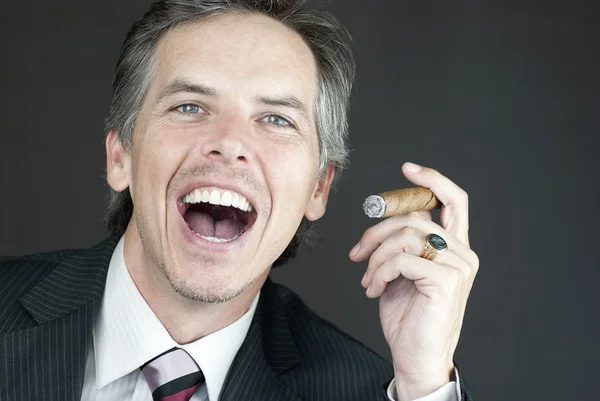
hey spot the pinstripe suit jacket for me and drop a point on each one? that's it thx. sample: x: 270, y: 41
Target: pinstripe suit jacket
x: 48, y: 303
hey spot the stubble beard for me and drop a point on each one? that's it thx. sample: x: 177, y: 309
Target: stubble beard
x: 188, y: 290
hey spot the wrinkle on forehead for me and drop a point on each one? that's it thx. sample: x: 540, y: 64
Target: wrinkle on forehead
x: 240, y: 49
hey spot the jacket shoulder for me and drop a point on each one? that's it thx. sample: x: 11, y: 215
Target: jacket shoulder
x: 18, y: 275
x: 52, y: 256
x: 19, y: 271
x: 339, y: 362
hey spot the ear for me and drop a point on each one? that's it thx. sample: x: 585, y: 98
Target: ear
x: 318, y: 201
x: 118, y: 163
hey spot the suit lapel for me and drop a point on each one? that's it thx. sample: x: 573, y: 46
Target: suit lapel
x: 47, y: 361
x: 52, y: 355
x: 268, y: 351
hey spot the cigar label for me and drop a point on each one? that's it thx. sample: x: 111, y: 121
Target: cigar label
x: 400, y: 201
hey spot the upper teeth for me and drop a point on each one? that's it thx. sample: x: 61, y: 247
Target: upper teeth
x: 218, y: 197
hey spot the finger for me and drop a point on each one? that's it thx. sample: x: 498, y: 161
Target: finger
x: 424, y: 214
x: 404, y: 240
x: 374, y: 236
x: 448, y: 259
x: 425, y: 274
x: 455, y: 212
x: 407, y: 240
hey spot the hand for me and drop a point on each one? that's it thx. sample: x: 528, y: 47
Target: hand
x: 422, y: 303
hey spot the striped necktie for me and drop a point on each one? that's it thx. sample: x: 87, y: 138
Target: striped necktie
x: 173, y: 376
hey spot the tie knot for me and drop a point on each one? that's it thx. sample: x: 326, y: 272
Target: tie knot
x: 173, y: 376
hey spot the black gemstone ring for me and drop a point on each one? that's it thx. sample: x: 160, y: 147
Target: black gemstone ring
x: 434, y: 245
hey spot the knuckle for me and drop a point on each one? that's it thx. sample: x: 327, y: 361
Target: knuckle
x: 398, y: 259
x: 463, y: 267
x: 404, y: 242
x: 413, y: 220
x: 369, y: 232
x: 468, y: 272
x: 401, y: 247
x: 475, y: 262
x: 388, y: 274
x: 406, y: 231
x: 434, y: 171
x: 454, y: 278
x: 394, y: 269
x: 415, y: 215
x: 475, y: 258
x: 472, y: 261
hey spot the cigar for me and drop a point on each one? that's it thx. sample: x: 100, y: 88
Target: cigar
x: 400, y: 201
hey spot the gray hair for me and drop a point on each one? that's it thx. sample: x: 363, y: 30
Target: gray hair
x: 326, y: 37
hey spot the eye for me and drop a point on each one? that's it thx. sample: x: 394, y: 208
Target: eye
x: 278, y: 121
x: 189, y: 108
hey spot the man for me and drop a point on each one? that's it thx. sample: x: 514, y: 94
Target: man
x: 225, y: 133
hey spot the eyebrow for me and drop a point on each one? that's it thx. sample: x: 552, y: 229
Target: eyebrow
x: 180, y: 85
x: 291, y: 102
x: 184, y: 86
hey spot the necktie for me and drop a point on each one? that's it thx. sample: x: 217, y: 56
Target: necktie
x: 173, y: 376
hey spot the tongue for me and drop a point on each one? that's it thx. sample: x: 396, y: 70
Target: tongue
x: 227, y: 229
x: 201, y: 223
x: 205, y: 225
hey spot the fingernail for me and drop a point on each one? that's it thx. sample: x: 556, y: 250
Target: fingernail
x: 354, y: 250
x: 364, y: 279
x: 413, y: 168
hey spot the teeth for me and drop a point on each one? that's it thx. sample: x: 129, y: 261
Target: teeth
x: 197, y: 196
x: 216, y: 197
x: 214, y: 239
x: 226, y: 199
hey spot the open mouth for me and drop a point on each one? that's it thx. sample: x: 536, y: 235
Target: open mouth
x: 217, y: 215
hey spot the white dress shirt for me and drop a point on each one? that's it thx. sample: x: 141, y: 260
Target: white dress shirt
x: 448, y: 392
x: 127, y: 334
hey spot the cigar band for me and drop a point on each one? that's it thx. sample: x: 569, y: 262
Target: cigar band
x: 374, y: 206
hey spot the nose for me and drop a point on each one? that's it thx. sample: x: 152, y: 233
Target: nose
x: 227, y: 143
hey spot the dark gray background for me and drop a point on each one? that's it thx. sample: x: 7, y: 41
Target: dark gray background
x: 499, y: 96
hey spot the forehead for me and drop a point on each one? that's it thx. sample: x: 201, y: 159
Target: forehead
x: 239, y: 53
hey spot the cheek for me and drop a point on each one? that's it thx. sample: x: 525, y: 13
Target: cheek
x: 294, y: 175
x: 155, y: 162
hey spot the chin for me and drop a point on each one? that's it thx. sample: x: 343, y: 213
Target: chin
x: 210, y: 286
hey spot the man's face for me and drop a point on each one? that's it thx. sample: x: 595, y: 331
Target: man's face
x: 229, y: 119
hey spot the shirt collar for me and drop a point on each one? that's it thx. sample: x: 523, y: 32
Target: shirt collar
x: 127, y: 333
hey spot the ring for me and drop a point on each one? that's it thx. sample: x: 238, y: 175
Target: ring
x: 434, y: 245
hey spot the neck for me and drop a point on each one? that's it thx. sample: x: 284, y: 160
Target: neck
x: 186, y: 320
